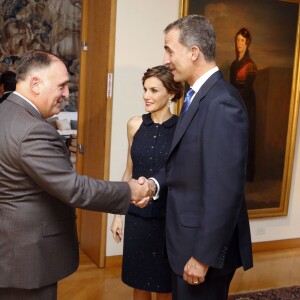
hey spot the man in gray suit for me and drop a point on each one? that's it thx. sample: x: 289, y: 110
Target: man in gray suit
x: 39, y: 190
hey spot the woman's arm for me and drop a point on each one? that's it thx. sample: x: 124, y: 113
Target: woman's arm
x: 117, y: 223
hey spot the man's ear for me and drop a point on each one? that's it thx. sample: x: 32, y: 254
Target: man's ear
x: 195, y: 53
x: 35, y: 85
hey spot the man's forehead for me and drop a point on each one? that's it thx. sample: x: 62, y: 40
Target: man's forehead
x: 58, y: 66
x: 172, y: 36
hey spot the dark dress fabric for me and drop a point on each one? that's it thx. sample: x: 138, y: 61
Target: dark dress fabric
x: 145, y: 265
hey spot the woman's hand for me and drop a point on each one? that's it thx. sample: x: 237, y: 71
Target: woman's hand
x: 117, y: 228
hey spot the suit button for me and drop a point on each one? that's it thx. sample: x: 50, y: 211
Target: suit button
x: 169, y: 188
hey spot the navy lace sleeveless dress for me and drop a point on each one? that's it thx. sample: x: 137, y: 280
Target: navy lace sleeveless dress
x: 145, y: 264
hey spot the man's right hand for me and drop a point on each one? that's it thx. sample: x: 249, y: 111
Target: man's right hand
x: 141, y: 191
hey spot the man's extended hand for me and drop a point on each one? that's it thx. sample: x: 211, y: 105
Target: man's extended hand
x: 141, y: 191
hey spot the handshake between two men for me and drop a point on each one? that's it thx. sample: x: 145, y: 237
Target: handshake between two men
x: 142, y: 191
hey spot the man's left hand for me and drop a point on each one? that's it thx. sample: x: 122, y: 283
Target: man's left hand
x: 194, y: 272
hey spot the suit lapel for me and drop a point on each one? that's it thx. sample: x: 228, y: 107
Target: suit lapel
x: 187, y: 117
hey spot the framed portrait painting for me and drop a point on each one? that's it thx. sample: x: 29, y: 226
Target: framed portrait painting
x: 271, y: 95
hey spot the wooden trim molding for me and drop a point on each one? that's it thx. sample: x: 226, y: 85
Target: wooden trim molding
x: 116, y: 261
x: 113, y: 261
x: 276, y: 245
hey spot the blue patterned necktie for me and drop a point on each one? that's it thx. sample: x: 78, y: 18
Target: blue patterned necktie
x: 187, y: 101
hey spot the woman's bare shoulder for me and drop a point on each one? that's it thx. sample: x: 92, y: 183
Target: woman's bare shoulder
x: 134, y: 124
x: 135, y: 121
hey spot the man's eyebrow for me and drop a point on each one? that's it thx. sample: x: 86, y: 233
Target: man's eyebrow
x: 65, y: 82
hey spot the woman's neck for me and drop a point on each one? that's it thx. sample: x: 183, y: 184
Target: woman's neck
x: 241, y: 55
x: 161, y: 116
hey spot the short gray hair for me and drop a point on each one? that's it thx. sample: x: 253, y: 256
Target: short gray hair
x: 34, y: 60
x: 196, y: 30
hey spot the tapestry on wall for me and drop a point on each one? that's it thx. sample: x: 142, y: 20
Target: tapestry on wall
x: 51, y: 25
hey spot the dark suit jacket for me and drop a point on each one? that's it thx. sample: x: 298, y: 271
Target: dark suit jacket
x: 205, y: 175
x: 4, y: 96
x: 39, y: 191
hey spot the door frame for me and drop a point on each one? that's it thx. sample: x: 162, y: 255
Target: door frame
x: 98, y: 28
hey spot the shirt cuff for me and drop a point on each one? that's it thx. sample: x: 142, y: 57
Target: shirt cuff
x: 156, y: 196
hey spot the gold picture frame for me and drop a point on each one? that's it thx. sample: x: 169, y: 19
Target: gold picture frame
x: 268, y: 197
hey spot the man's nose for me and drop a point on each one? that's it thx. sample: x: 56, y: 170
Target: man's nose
x: 66, y: 92
x: 166, y: 60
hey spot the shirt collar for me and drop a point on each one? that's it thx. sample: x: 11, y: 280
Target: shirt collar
x: 201, y: 80
x: 168, y: 123
x: 26, y: 100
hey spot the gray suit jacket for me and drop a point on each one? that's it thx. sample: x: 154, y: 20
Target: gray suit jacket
x: 39, y: 191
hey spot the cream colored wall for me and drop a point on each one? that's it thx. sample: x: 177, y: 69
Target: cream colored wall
x: 139, y: 45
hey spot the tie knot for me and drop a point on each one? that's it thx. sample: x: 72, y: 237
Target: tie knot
x: 190, y: 93
x: 187, y: 100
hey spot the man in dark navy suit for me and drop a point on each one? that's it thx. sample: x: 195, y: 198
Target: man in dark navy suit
x: 208, y: 235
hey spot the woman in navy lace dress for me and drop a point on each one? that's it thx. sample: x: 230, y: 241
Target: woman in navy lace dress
x: 145, y: 265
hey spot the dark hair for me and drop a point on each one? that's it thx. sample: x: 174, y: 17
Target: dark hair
x: 34, y: 60
x: 8, y: 79
x: 196, y: 30
x: 245, y: 33
x: 164, y: 74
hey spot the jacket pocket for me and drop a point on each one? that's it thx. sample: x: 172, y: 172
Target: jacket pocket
x: 190, y: 220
